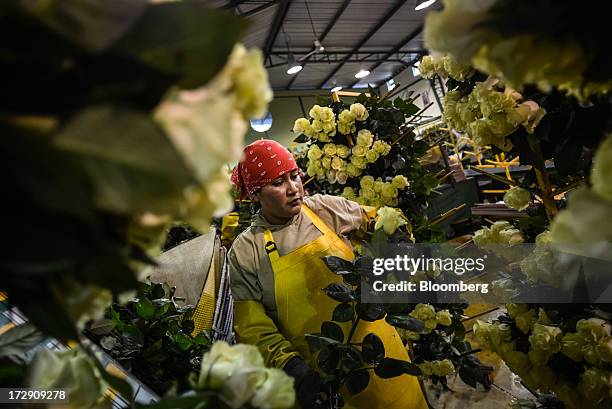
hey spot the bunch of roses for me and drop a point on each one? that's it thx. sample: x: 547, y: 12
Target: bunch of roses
x: 431, y: 319
x: 239, y: 374
x: 500, y: 232
x: 591, y: 346
x: 375, y: 192
x: 324, y: 124
x: 517, y: 198
x: 470, y: 32
x: 445, y: 66
x: 489, y: 115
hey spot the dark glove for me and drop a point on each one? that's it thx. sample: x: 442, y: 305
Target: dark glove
x: 307, y: 383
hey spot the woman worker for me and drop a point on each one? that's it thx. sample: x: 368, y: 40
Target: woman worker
x: 277, y: 276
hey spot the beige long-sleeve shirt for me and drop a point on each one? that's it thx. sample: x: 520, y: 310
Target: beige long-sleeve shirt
x: 250, y: 270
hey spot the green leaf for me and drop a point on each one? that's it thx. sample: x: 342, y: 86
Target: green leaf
x: 343, y: 313
x: 357, y: 381
x: 351, y: 358
x: 328, y: 359
x: 132, y: 332
x: 183, y: 341
x: 316, y: 342
x: 187, y: 326
x: 370, y: 312
x: 201, y: 339
x: 301, y: 138
x: 373, y: 349
x: 332, y: 330
x: 103, y: 326
x: 130, y: 162
x: 390, y: 368
x: 158, y: 291
x: 186, y: 39
x: 145, y: 309
x: 20, y: 339
x: 405, y: 321
x: 340, y: 292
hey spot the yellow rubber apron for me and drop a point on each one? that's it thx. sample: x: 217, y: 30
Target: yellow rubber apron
x: 302, y: 306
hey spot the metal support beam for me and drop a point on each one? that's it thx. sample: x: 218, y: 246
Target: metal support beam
x: 373, y: 31
x: 329, y: 27
x: 395, y: 49
x: 259, y: 9
x: 370, y: 60
x: 281, y: 13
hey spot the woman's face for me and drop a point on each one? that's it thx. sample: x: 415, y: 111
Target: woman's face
x: 282, y: 198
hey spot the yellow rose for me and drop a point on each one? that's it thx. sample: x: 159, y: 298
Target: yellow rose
x: 378, y: 185
x: 365, y: 138
x: 390, y: 219
x: 353, y: 170
x: 329, y: 149
x: 367, y: 182
x: 359, y: 161
x: 359, y: 112
x: 331, y: 176
x: 367, y: 193
x: 359, y: 150
x: 427, y: 67
x: 349, y: 193
x: 371, y: 156
x: 317, y: 125
x: 329, y: 127
x: 314, y: 152
x: 326, y: 162
x: 381, y: 147
x: 323, y: 137
x: 444, y: 317
x: 343, y: 151
x: 388, y: 191
x: 337, y: 163
x: 400, y: 181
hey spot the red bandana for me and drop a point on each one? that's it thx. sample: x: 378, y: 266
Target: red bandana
x: 261, y: 163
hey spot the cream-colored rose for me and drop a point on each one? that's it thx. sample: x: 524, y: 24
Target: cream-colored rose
x: 326, y: 114
x: 329, y: 149
x: 359, y: 112
x: 359, y: 150
x: 72, y: 370
x: 331, y: 176
x: 317, y: 126
x: 371, y: 156
x: 314, y: 112
x: 245, y: 79
x: 389, y: 219
x: 444, y: 317
x: 381, y: 147
x: 342, y: 176
x: 329, y: 127
x: 427, y: 67
x: 337, y: 163
x: 276, y: 391
x: 234, y: 370
x: 343, y: 151
x: 323, y: 137
x: 365, y: 138
x: 301, y: 125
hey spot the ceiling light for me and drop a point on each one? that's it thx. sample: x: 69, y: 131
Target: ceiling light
x: 293, y: 67
x: 362, y: 73
x: 336, y: 88
x: 421, y: 4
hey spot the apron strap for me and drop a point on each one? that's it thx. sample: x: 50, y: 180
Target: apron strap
x: 319, y: 224
x: 270, y: 246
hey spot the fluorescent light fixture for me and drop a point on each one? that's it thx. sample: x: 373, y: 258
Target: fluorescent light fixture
x: 362, y: 74
x: 262, y: 124
x: 336, y: 88
x: 293, y: 67
x: 421, y: 4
